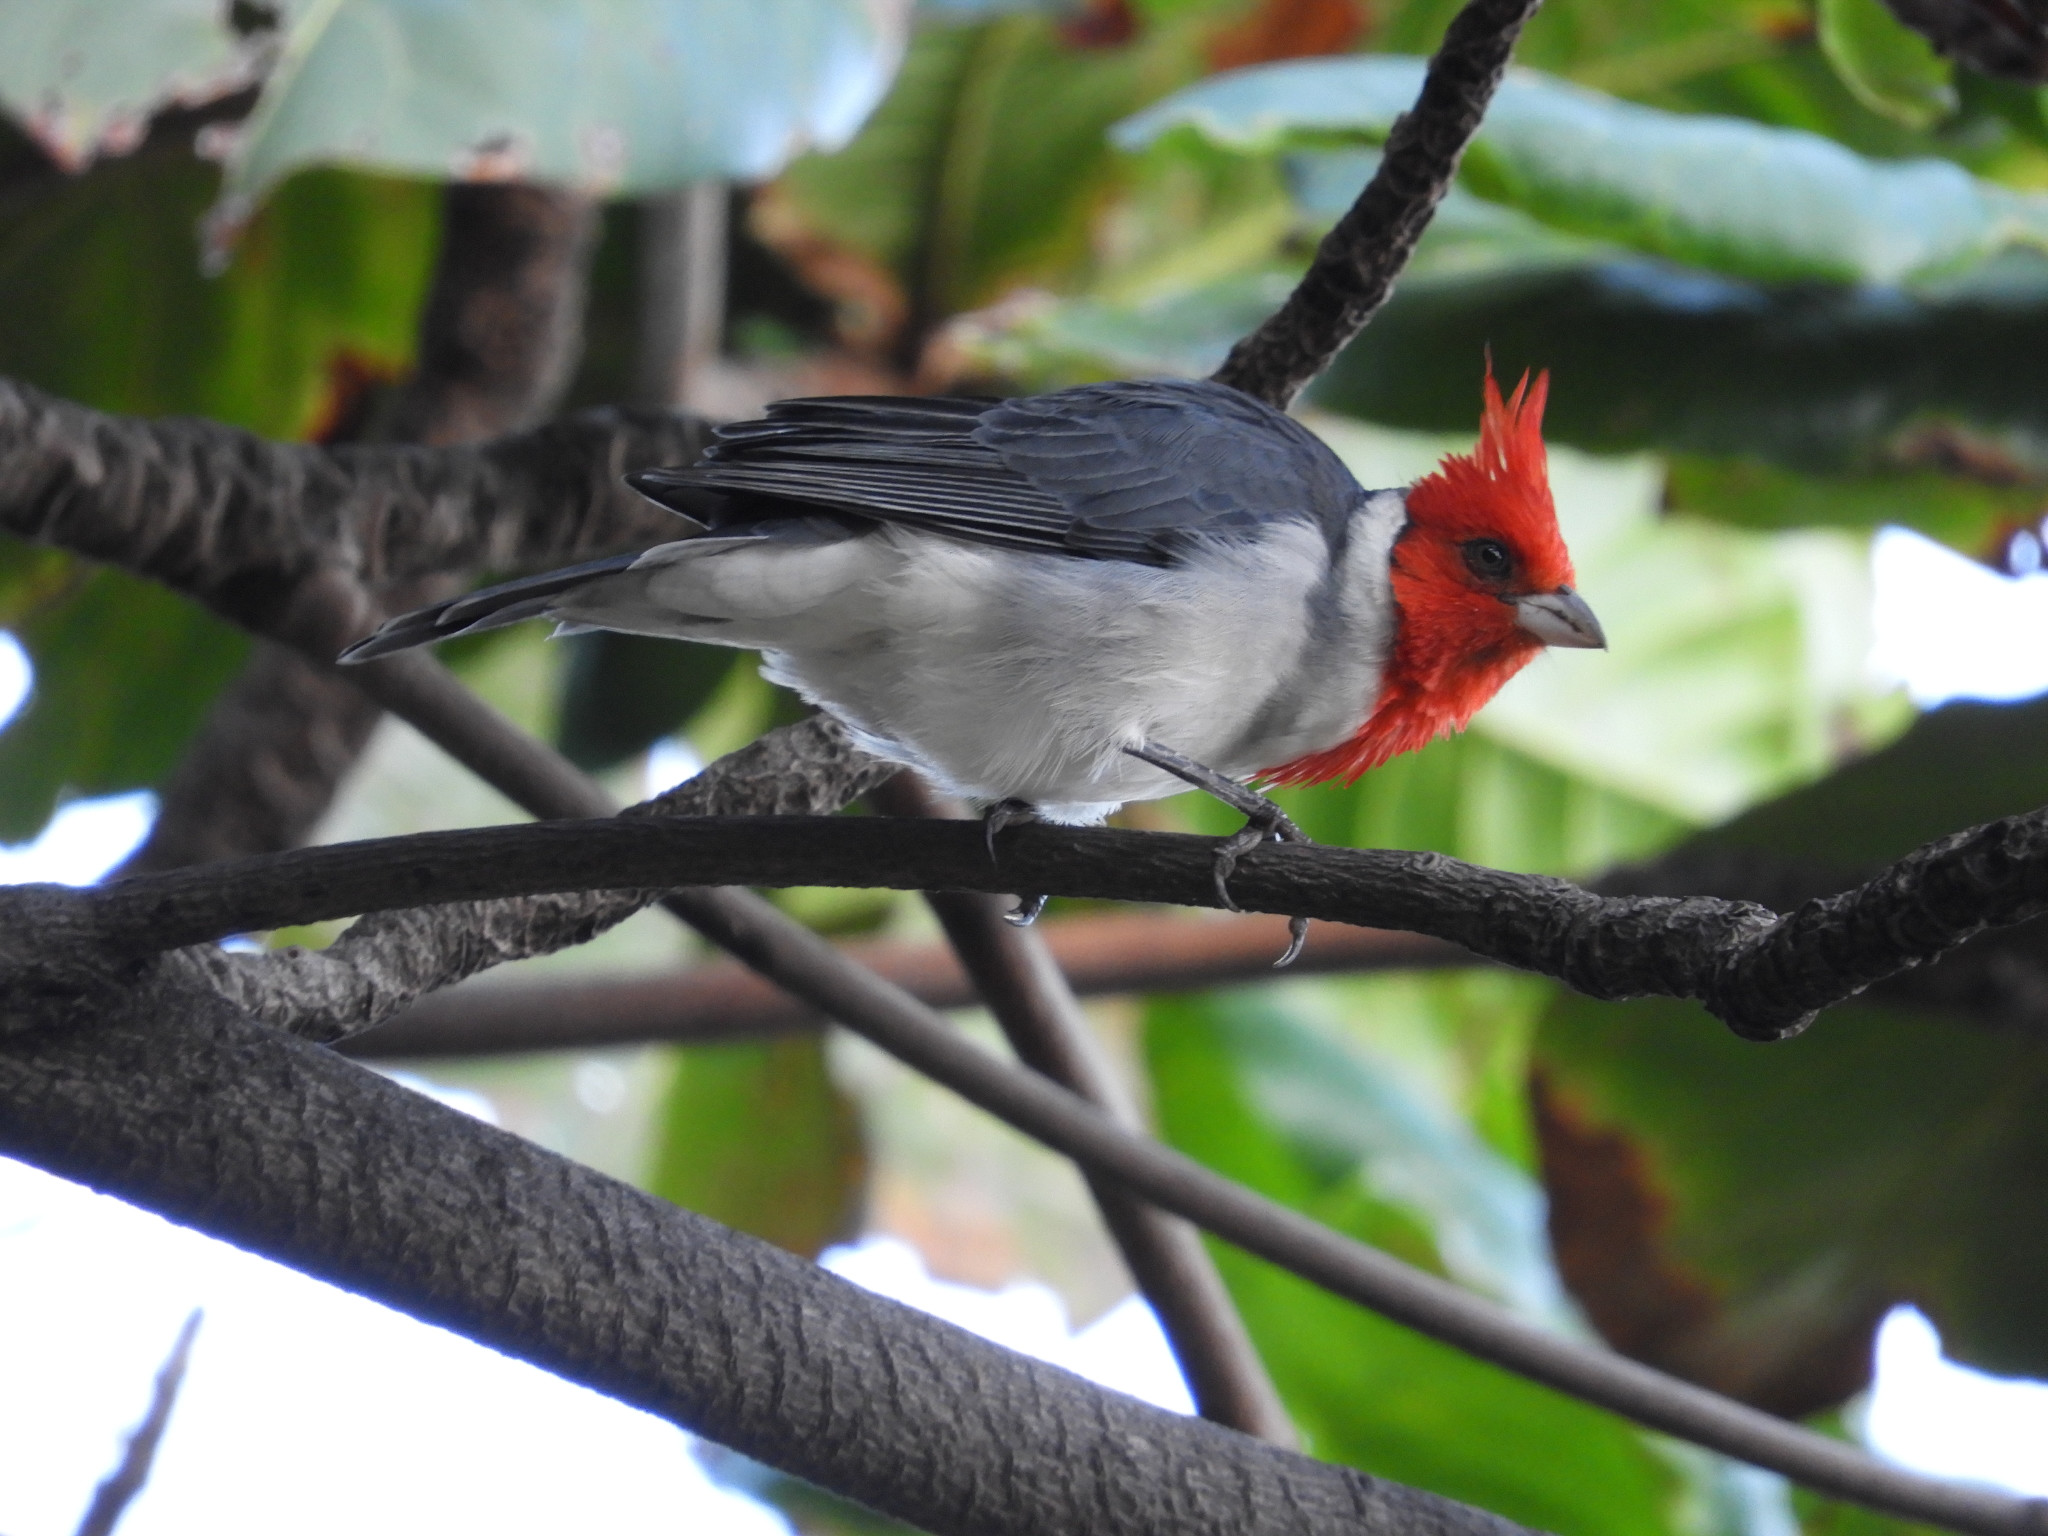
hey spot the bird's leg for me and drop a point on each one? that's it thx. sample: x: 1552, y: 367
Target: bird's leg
x: 1263, y: 820
x: 1007, y: 813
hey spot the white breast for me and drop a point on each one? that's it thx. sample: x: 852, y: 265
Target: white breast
x: 1010, y: 675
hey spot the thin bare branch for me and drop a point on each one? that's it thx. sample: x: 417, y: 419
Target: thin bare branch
x: 723, y: 1000
x: 118, y: 1489
x: 1764, y: 975
x: 1356, y: 264
x: 1017, y: 978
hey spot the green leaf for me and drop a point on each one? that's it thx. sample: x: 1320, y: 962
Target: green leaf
x: 623, y: 693
x: 1959, y: 765
x: 1966, y: 514
x: 1716, y: 192
x: 757, y: 1136
x: 100, y: 281
x: 1815, y: 379
x: 1887, y: 65
x: 124, y: 672
x: 625, y: 96
x: 84, y: 82
x: 980, y: 167
x: 1750, y: 1212
x: 1364, y: 1390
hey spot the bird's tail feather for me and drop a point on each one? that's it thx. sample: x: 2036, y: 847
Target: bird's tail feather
x: 509, y: 602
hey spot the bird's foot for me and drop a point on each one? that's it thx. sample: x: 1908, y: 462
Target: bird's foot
x: 1264, y: 822
x: 1025, y: 913
x: 1004, y: 813
x: 1008, y: 813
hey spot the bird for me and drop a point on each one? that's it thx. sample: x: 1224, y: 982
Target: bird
x: 1057, y: 604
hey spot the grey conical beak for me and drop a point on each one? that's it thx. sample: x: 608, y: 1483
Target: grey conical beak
x: 1560, y: 618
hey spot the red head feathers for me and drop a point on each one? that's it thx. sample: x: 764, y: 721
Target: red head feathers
x: 1481, y: 580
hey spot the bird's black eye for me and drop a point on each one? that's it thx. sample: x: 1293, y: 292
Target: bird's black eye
x: 1488, y: 559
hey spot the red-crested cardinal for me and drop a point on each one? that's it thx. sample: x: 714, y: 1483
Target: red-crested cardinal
x: 1054, y: 605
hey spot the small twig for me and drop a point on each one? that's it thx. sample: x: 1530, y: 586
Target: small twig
x: 1023, y: 988
x: 1356, y: 264
x: 120, y: 1486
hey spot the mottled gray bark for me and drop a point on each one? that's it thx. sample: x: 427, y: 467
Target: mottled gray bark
x: 175, y: 1102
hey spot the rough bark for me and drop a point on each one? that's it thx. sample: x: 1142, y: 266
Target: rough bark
x: 176, y: 1103
x: 1023, y: 988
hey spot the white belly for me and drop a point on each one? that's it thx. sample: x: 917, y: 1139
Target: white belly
x: 1009, y: 676
x: 1006, y: 675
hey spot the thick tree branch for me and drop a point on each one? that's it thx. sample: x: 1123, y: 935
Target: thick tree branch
x: 1356, y: 264
x: 723, y: 1000
x: 240, y: 522
x: 1022, y: 986
x: 243, y: 1111
x: 181, y: 1106
x: 1762, y: 974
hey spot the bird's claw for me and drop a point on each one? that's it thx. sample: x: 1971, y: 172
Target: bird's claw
x: 1004, y: 813
x: 1269, y: 823
x: 1025, y: 913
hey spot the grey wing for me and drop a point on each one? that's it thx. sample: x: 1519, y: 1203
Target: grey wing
x: 1130, y: 472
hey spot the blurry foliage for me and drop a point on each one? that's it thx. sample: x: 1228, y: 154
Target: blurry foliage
x: 755, y: 1135
x: 105, y: 303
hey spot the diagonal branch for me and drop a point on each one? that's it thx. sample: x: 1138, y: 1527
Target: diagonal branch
x: 722, y: 1000
x: 1762, y: 974
x: 1356, y: 264
x: 118, y: 1489
x: 1023, y: 988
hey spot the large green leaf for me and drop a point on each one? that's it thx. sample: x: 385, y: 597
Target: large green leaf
x: 755, y: 1135
x: 1889, y: 67
x: 1820, y: 380
x: 623, y: 693
x: 1364, y: 1390
x: 105, y: 303
x: 979, y: 168
x: 629, y: 95
x: 83, y: 80
x: 1716, y: 192
x: 123, y: 672
x: 1746, y: 1214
